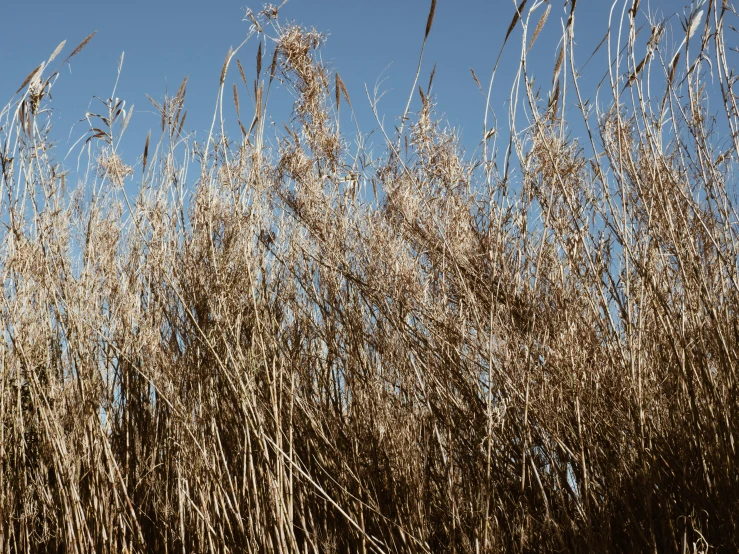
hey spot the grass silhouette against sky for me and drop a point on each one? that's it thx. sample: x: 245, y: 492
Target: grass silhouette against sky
x: 370, y: 43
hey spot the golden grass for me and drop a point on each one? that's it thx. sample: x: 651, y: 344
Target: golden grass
x: 527, y: 351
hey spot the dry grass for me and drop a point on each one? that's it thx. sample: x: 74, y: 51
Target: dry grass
x: 531, y: 351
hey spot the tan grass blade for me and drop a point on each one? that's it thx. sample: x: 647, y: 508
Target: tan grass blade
x: 670, y: 79
x: 156, y: 105
x: 56, y: 51
x: 571, y: 18
x: 601, y: 43
x: 539, y: 26
x: 476, y: 79
x: 181, y: 92
x: 241, y: 71
x: 430, y: 21
x: 236, y: 101
x: 253, y: 123
x: 338, y: 92
x: 636, y: 72
x: 554, y: 100
x: 146, y: 152
x: 82, y: 44
x: 695, y: 24
x: 182, y: 124
x: 225, y: 65
x: 258, y: 102
x: 673, y: 68
x: 558, y: 64
x: 343, y: 89
x: 22, y: 115
x: 259, y: 60
x: 516, y: 17
x: 273, y: 66
x: 28, y: 79
x: 127, y: 118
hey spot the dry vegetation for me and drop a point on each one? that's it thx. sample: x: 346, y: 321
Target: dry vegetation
x: 274, y: 345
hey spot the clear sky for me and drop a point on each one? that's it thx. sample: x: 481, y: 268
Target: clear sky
x: 368, y: 40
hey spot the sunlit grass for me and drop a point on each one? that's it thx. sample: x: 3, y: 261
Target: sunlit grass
x: 313, y: 349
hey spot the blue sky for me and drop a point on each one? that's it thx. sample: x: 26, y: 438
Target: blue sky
x: 368, y: 40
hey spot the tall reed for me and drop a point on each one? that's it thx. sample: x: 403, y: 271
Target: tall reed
x: 296, y: 347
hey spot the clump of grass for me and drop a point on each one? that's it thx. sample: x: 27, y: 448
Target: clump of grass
x: 527, y: 351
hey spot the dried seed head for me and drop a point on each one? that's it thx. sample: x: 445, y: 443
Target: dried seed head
x: 430, y: 20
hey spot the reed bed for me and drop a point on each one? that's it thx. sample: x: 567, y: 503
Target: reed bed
x: 259, y: 343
